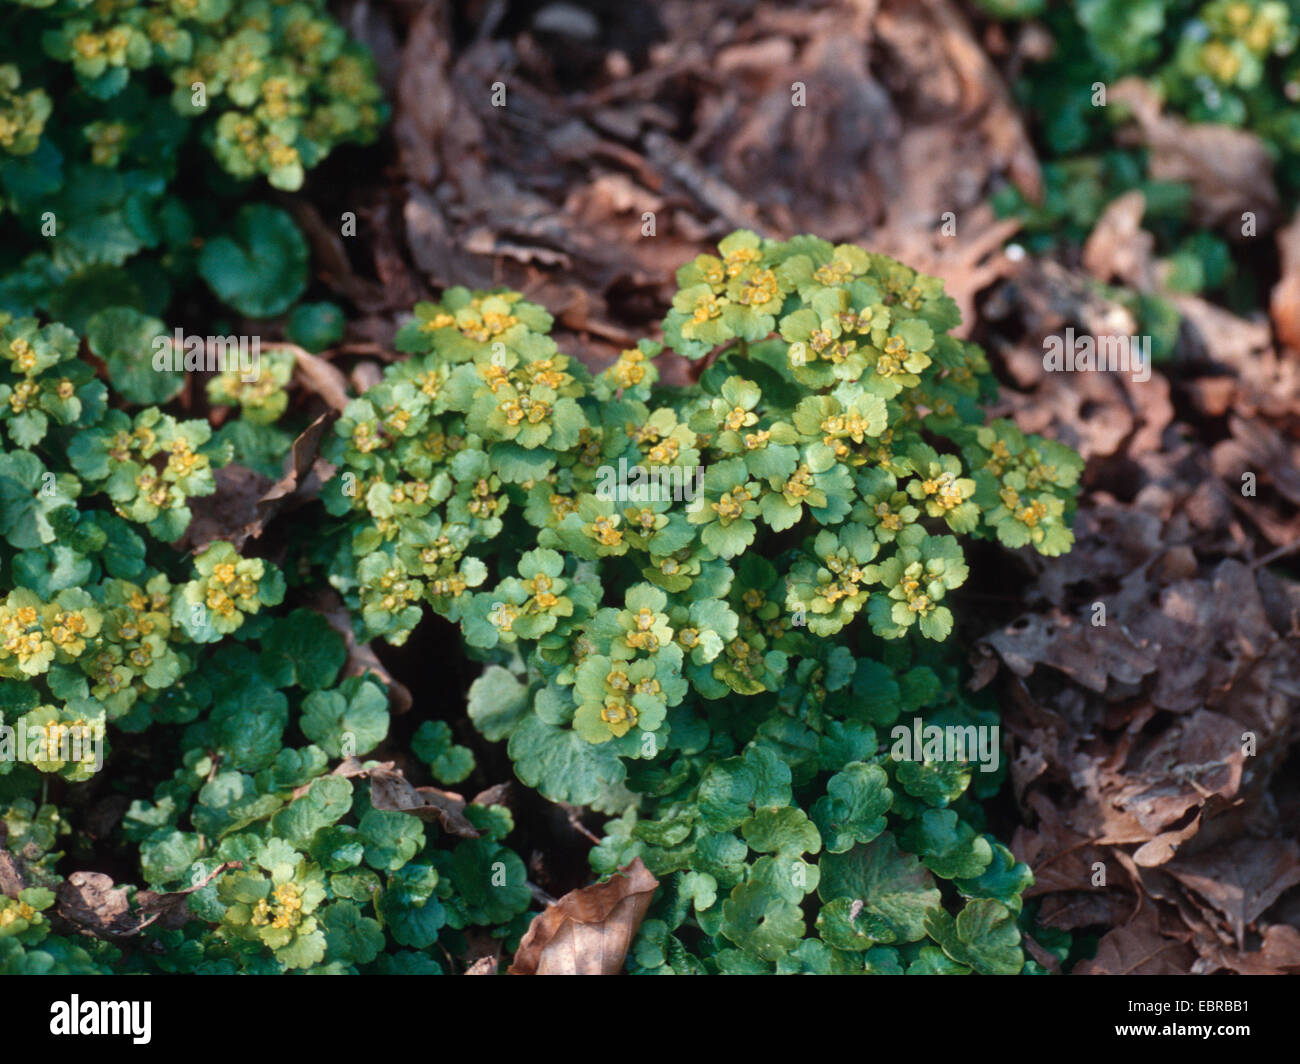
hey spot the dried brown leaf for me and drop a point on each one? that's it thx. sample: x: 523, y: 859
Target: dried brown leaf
x: 319, y: 376
x: 1284, y: 301
x: 303, y: 463
x: 498, y: 794
x: 1164, y: 846
x: 1118, y: 247
x: 389, y: 789
x: 588, y: 931
x: 426, y: 100
x: 1089, y: 654
x: 245, y: 501
x: 987, y: 99
x: 1229, y: 169
x: 95, y: 905
x: 1241, y: 879
x: 230, y: 513
x: 1138, y: 948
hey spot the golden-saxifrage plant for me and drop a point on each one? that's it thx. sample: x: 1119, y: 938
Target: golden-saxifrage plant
x: 214, y: 706
x: 698, y: 605
x: 104, y: 105
x: 110, y: 635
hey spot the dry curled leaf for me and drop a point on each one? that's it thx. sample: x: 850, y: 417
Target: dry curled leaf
x: 1230, y: 170
x: 389, y: 789
x: 1138, y: 948
x: 319, y: 376
x: 245, y: 501
x: 588, y: 931
x: 95, y: 905
x: 303, y: 463
x: 230, y: 513
x: 1284, y: 301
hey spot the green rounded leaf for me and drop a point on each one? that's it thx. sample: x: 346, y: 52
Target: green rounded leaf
x: 127, y: 340
x: 315, y: 326
x: 896, y: 891
x: 261, y: 268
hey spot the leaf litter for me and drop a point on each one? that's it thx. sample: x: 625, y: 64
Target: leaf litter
x: 1153, y: 761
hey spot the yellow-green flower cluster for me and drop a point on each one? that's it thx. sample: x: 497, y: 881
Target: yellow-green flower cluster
x: 1024, y: 485
x: 226, y: 590
x: 277, y: 909
x: 810, y: 439
x: 261, y: 401
x: 22, y: 114
x: 42, y: 381
x: 35, y: 634
x: 282, y: 80
x: 22, y: 918
x: 149, y: 466
x: 1242, y: 35
x: 289, y: 85
x: 137, y: 655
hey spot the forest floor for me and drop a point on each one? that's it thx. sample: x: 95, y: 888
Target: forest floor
x: 1149, y: 679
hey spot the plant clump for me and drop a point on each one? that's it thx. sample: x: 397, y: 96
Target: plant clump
x: 102, y: 106
x: 703, y: 609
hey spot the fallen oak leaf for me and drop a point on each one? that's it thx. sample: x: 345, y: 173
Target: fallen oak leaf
x: 318, y: 375
x: 1138, y: 948
x: 92, y: 903
x: 303, y: 462
x: 1089, y: 655
x: 1241, y: 879
x: 231, y: 513
x: 588, y: 931
x: 1284, y: 300
x: 1229, y: 169
x: 389, y: 789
